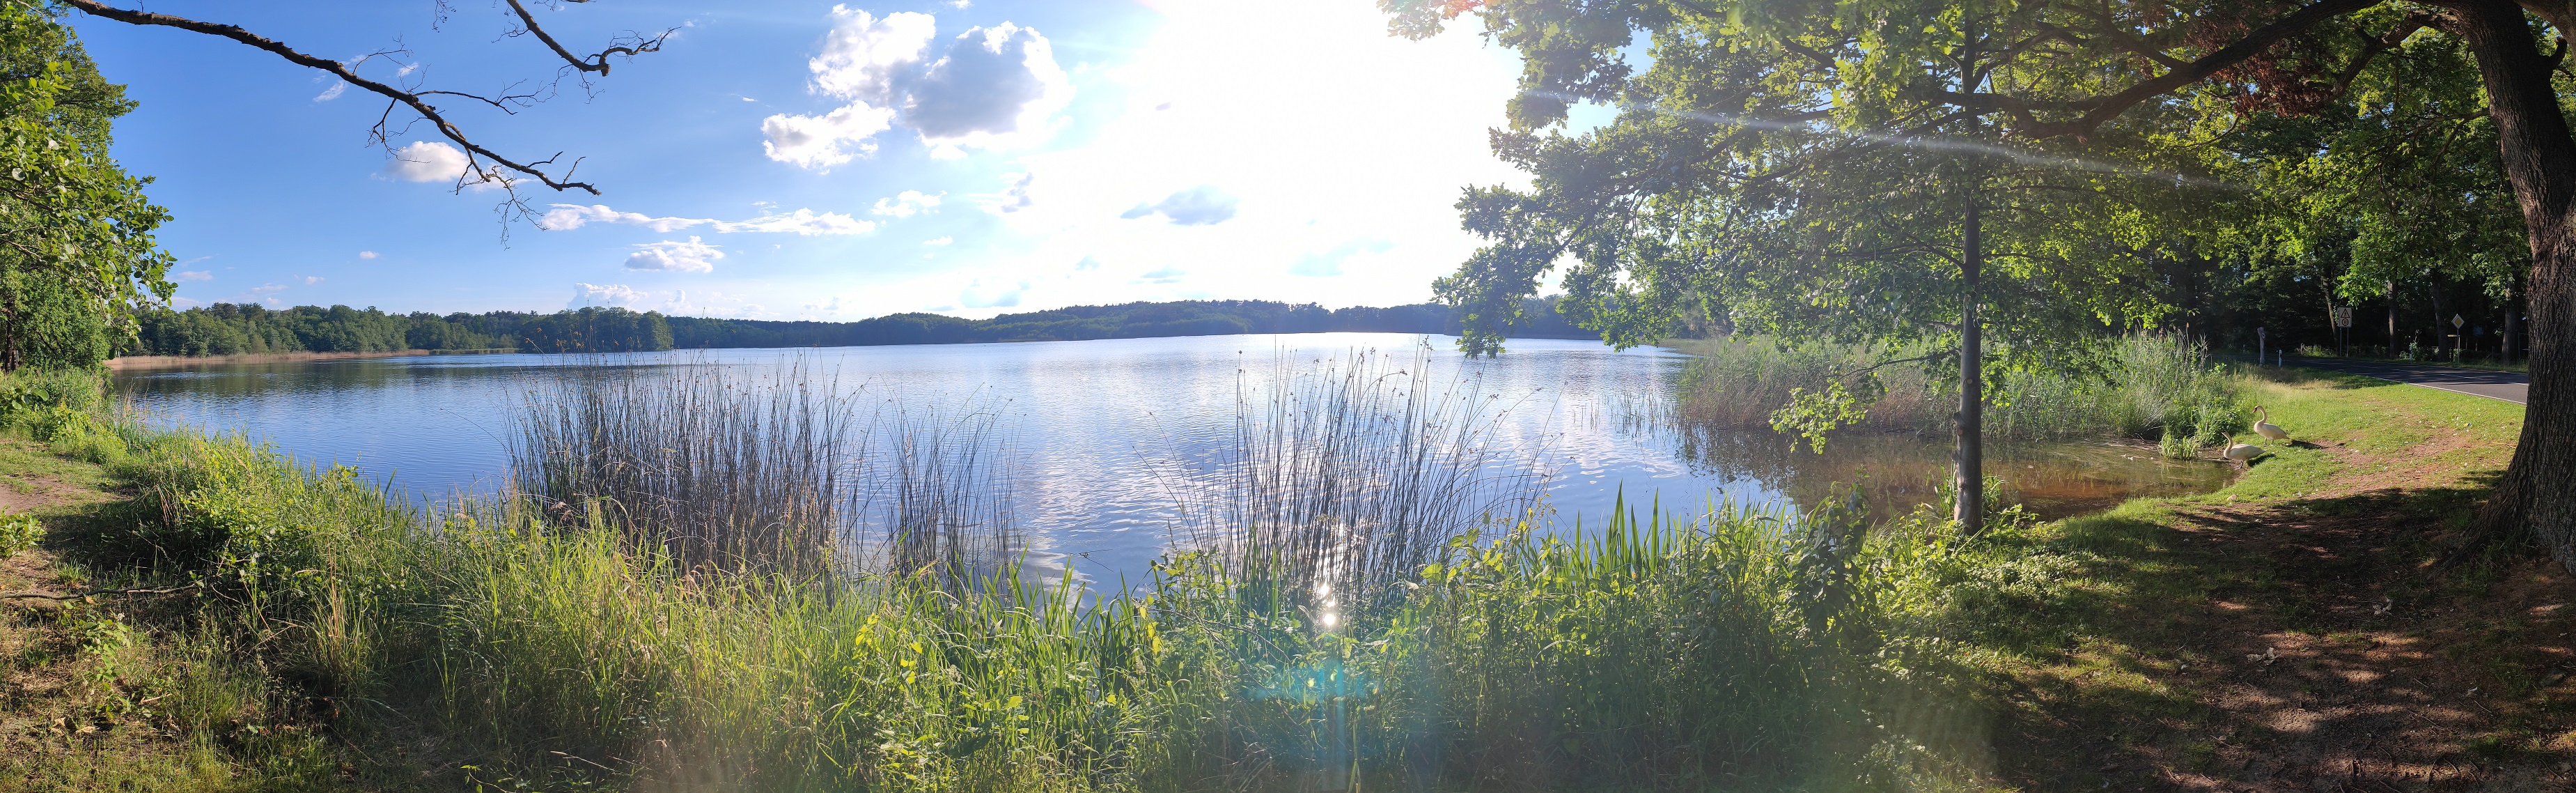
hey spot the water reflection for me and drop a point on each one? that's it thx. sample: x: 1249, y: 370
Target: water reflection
x: 1898, y: 470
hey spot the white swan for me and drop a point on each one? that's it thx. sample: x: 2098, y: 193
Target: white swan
x: 2263, y: 426
x: 2243, y: 453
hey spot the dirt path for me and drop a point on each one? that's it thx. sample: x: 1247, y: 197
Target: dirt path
x: 2308, y: 644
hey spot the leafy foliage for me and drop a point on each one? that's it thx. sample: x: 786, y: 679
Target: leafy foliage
x: 19, y: 532
x: 76, y: 247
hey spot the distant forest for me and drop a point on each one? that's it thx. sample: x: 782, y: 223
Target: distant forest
x: 231, y: 329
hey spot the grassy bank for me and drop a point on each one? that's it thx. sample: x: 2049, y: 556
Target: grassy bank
x: 325, y: 635
x: 2291, y: 632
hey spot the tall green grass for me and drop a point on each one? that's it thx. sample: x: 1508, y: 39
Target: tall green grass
x: 2153, y: 389
x: 1737, y: 382
x: 1730, y: 650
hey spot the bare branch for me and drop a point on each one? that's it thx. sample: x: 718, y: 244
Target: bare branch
x: 598, y: 64
x: 412, y: 99
x: 97, y: 592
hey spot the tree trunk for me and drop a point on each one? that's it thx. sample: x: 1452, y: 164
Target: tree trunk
x: 1970, y: 510
x: 2540, y: 158
x: 2506, y: 346
x: 2433, y: 287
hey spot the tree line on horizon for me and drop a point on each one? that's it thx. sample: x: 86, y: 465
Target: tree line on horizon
x: 243, y: 329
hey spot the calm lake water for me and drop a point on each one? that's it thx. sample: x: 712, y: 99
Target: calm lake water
x: 1098, y: 437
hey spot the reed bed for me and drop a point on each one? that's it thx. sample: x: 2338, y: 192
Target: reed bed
x: 945, y: 494
x: 2149, y: 388
x: 785, y: 472
x: 1347, y: 474
x: 719, y: 471
x: 1737, y: 382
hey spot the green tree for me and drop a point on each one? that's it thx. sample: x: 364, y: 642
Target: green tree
x: 2402, y: 179
x: 76, y: 247
x: 1778, y: 91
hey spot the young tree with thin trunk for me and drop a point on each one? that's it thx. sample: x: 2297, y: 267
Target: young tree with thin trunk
x: 2079, y: 80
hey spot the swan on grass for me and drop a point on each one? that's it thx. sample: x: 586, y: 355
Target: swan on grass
x: 2263, y: 426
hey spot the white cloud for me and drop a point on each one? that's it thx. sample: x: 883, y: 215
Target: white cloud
x: 192, y: 275
x: 366, y: 254
x: 992, y: 88
x: 434, y: 161
x: 802, y: 222
x: 337, y: 88
x: 864, y: 57
x: 1199, y: 103
x: 864, y: 60
x: 1198, y: 206
x: 977, y: 295
x: 267, y: 289
x: 816, y: 142
x: 312, y: 279
x: 939, y: 241
x: 1328, y: 263
x: 906, y: 204
x: 685, y: 257
x: 607, y: 295
x: 995, y: 86
x: 1012, y: 199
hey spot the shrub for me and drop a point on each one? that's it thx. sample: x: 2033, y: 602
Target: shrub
x: 18, y: 533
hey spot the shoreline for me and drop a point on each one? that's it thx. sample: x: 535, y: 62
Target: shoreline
x: 181, y: 361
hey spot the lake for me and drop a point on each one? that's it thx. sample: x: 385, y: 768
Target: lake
x: 1102, y: 441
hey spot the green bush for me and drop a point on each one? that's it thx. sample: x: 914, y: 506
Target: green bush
x: 19, y: 532
x: 28, y: 396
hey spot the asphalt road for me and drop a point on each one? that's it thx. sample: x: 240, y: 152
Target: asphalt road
x: 2508, y: 386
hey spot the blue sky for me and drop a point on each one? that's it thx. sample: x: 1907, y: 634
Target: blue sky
x: 794, y: 160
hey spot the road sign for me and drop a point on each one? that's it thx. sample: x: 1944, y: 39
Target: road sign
x: 2343, y: 316
x: 2457, y: 321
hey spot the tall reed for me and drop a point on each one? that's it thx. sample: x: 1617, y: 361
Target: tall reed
x: 1345, y: 476
x: 1737, y: 382
x: 718, y: 470
x: 945, y: 493
x: 2145, y: 387
x: 2153, y: 388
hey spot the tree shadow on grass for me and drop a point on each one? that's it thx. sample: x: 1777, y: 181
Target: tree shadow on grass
x: 2273, y: 647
